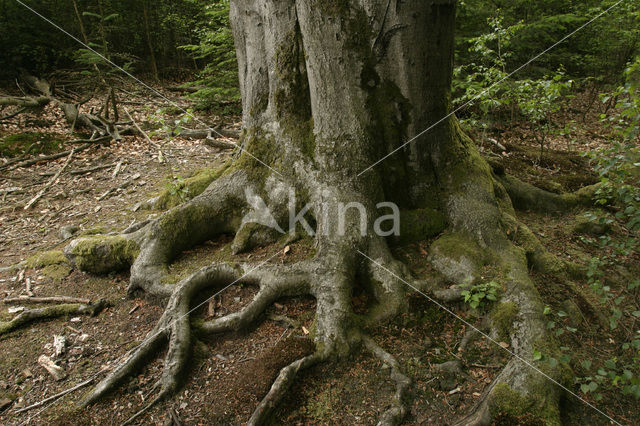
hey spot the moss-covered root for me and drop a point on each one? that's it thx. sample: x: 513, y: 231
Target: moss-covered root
x: 216, y: 211
x: 101, y: 254
x: 31, y: 315
x: 525, y: 196
x: 180, y: 191
x: 395, y: 414
x: 53, y: 264
x: 541, y: 260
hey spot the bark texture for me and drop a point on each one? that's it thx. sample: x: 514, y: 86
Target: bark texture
x: 328, y: 88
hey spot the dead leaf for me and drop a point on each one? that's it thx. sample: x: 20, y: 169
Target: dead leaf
x: 286, y: 250
x: 304, y: 330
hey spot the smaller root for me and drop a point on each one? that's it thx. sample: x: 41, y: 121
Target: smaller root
x: 398, y: 410
x: 134, y: 363
x: 175, y: 326
x: 31, y: 315
x: 280, y: 387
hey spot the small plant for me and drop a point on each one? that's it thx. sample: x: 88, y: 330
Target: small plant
x: 477, y: 294
x: 178, y: 189
x: 538, y: 100
x: 170, y: 128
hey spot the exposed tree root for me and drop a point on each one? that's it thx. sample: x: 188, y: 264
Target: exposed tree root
x: 28, y: 316
x: 483, y: 231
x: 395, y: 414
x: 525, y: 196
x: 280, y: 387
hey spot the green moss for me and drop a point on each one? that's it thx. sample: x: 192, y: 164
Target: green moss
x: 182, y: 190
x: 585, y: 225
x: 95, y: 230
x: 36, y: 143
x: 56, y: 272
x: 503, y: 316
x: 260, y: 146
x: 505, y: 401
x: 47, y: 258
x: 102, y: 254
x: 457, y: 246
x: 53, y: 263
x: 420, y: 224
x: 333, y: 8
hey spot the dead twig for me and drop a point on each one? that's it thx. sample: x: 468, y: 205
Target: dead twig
x: 83, y: 171
x: 43, y: 300
x: 51, y: 157
x: 152, y: 143
x: 35, y: 199
x: 63, y: 393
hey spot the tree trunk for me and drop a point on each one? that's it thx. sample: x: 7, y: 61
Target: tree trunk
x: 328, y: 89
x: 147, y: 31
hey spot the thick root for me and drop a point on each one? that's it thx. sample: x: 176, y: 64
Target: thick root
x: 175, y: 326
x: 528, y: 197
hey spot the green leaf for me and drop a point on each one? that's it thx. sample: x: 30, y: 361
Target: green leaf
x: 537, y: 355
x: 91, y: 14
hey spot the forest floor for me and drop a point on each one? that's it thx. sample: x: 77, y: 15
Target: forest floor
x: 231, y: 373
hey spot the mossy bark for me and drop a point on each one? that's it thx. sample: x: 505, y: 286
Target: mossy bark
x: 329, y: 88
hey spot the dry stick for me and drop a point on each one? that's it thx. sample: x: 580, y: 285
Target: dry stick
x: 51, y: 181
x: 83, y: 171
x: 37, y: 300
x: 63, y: 393
x: 18, y: 112
x: 141, y: 132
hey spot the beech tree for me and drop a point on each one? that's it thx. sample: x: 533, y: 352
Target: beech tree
x: 331, y: 92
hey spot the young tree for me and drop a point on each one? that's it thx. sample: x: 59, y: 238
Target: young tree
x: 328, y: 89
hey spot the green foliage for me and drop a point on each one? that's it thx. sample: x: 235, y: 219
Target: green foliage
x: 170, y: 127
x: 618, y: 166
x: 479, y: 294
x: 486, y: 85
x: 178, y: 188
x: 218, y: 82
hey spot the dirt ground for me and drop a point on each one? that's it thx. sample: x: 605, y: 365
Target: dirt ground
x: 231, y: 373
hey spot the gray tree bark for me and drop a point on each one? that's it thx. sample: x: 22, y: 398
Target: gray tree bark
x: 328, y: 88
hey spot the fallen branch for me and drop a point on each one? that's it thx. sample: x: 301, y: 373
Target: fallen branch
x: 33, y: 161
x: 63, y: 393
x: 51, y: 182
x: 18, y: 112
x: 141, y: 131
x: 25, y: 102
x: 83, y: 171
x: 39, y: 300
x: 31, y: 315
